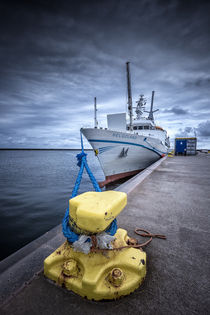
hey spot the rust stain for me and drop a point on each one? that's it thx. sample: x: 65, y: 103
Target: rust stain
x: 61, y: 279
x: 132, y: 241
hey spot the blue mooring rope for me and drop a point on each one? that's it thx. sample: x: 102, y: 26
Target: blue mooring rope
x: 82, y: 163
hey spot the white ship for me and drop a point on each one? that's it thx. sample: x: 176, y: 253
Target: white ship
x: 124, y: 149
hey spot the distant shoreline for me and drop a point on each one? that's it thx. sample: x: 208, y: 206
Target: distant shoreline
x: 33, y: 149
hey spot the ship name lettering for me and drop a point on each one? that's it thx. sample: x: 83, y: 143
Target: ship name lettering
x: 119, y: 135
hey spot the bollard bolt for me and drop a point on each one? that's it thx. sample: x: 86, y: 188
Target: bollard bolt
x: 70, y: 268
x: 116, y: 277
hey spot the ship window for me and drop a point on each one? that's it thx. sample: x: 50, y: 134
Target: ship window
x: 146, y: 127
x: 140, y: 127
x: 134, y: 128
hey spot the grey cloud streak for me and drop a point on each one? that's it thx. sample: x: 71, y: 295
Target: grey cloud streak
x: 176, y: 110
x: 57, y: 55
x: 204, y: 129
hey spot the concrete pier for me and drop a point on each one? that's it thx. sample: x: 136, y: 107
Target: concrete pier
x: 171, y: 198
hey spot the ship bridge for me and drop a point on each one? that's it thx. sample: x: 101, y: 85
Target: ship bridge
x: 142, y: 124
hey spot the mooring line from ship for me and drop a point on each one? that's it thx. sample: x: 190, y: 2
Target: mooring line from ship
x: 68, y: 232
x: 137, y: 230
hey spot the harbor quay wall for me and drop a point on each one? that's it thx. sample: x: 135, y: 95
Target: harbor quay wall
x: 170, y: 197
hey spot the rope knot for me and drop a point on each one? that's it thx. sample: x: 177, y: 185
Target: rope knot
x: 80, y: 156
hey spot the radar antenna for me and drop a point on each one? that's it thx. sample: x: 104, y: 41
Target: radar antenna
x: 140, y: 108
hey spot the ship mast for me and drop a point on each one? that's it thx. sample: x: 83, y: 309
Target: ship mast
x: 95, y: 113
x: 151, y: 117
x: 130, y: 107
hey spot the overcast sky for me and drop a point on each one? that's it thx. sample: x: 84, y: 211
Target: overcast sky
x: 55, y: 56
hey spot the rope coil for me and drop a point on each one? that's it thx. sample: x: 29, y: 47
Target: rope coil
x: 139, y: 246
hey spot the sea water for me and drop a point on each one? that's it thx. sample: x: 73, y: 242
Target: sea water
x: 35, y: 186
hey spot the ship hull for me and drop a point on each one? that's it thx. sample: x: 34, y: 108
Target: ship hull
x: 122, y: 154
x: 113, y: 178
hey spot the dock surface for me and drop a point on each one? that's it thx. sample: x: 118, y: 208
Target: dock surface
x: 174, y: 199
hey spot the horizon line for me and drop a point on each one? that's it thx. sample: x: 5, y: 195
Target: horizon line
x: 43, y: 149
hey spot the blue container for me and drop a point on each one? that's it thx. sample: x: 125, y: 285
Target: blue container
x: 180, y: 146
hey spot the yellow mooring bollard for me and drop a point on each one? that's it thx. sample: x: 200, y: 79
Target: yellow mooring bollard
x: 101, y: 273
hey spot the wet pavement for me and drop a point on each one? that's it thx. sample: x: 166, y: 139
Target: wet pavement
x: 173, y: 200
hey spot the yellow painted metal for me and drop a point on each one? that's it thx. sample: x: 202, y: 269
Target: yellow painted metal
x: 171, y: 154
x: 94, y: 211
x: 186, y: 138
x: 108, y: 274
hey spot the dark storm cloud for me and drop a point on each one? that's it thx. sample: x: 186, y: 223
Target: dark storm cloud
x: 57, y: 55
x: 188, y: 129
x: 186, y: 132
x: 176, y: 110
x: 200, y: 82
x: 204, y: 129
